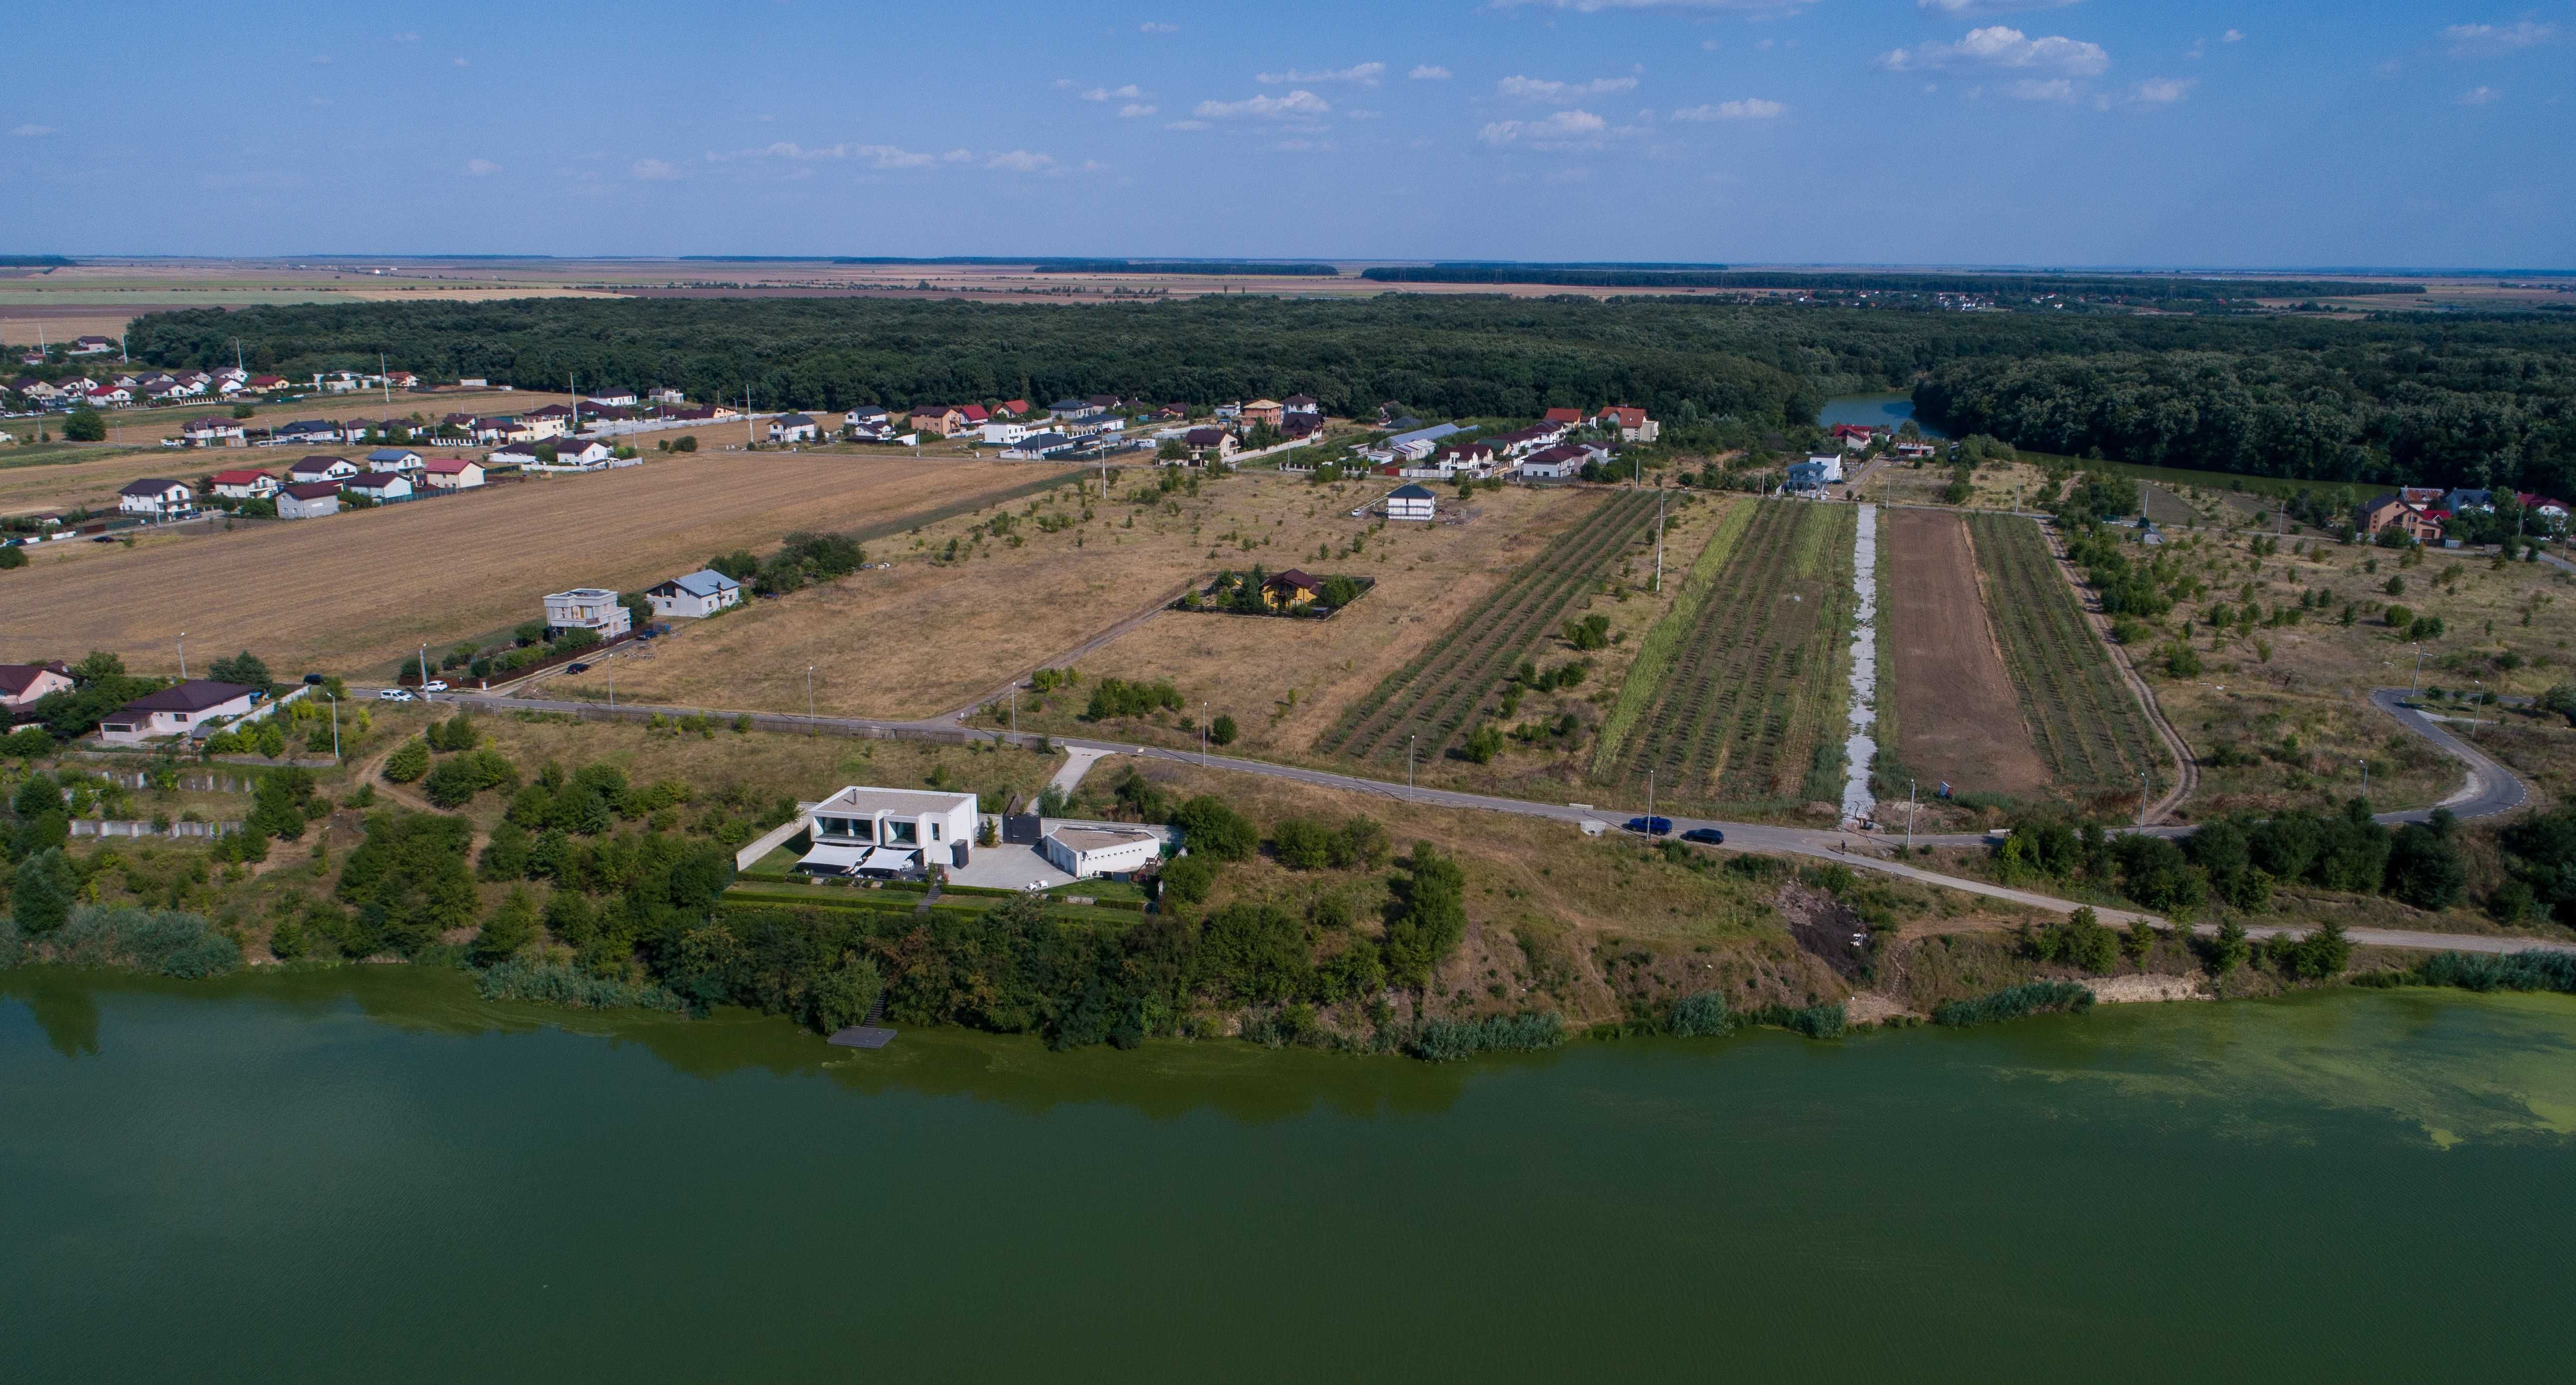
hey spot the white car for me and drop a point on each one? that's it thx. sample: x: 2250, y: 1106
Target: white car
x: 434, y: 685
x: 393, y: 695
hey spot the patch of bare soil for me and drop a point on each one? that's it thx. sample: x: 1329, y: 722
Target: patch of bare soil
x: 1825, y: 927
x: 2117, y: 990
x: 1958, y: 717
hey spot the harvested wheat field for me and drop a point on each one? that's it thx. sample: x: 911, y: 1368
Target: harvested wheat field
x: 353, y: 591
x: 1958, y: 718
x: 938, y: 633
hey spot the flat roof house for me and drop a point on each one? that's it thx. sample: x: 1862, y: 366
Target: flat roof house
x: 888, y: 832
x: 156, y: 496
x: 1088, y: 852
x: 1410, y: 501
x: 175, y: 711
x: 588, y: 608
x: 309, y: 500
x: 695, y: 596
x: 22, y: 684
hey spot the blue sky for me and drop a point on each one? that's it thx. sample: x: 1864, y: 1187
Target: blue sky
x: 2098, y: 132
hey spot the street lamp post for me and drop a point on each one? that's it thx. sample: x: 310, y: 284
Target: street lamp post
x: 2142, y: 798
x: 2417, y: 680
x: 1650, y: 804
x: 1909, y: 815
x: 335, y: 726
x: 183, y: 656
x: 1408, y: 764
x: 1203, y: 735
x: 809, y: 692
x: 2365, y: 779
x: 2477, y: 705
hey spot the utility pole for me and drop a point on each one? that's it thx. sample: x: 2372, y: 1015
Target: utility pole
x: 424, y: 669
x: 1909, y: 815
x: 2477, y: 705
x: 183, y: 656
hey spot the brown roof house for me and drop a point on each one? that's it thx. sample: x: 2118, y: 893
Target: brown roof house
x: 22, y: 684
x: 2392, y: 512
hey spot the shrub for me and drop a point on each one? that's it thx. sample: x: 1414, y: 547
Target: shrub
x: 1222, y: 731
x: 2512, y: 971
x: 1702, y: 1016
x: 164, y: 942
x: 554, y: 983
x: 1189, y: 878
x: 1208, y: 826
x: 844, y: 995
x: 2013, y: 1002
x: 1447, y: 1041
x: 408, y: 763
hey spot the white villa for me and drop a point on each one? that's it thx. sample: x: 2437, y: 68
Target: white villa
x: 888, y: 832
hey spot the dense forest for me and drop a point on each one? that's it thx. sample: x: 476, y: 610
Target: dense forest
x: 2435, y: 398
x: 2140, y: 288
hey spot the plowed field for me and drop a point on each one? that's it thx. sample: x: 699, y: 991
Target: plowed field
x: 1958, y: 718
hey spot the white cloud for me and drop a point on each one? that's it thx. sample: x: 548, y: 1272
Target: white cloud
x: 460, y: 62
x: 1561, y: 130
x: 1429, y: 72
x: 1562, y: 93
x: 32, y: 131
x: 1021, y: 161
x: 2038, y: 89
x: 2232, y: 36
x: 480, y: 167
x: 1134, y: 109
x: 1296, y: 103
x: 876, y: 155
x: 1978, y: 9
x: 1157, y: 27
x: 1364, y: 74
x: 2162, y: 91
x: 654, y: 170
x: 1125, y: 93
x: 1999, y: 46
x: 406, y: 36
x: 2480, y: 96
x: 321, y: 60
x: 1750, y: 108
x: 1189, y: 125
x: 2487, y: 40
x: 1304, y: 146
x: 1596, y: 6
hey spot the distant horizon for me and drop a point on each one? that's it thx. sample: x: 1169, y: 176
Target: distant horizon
x: 1139, y: 257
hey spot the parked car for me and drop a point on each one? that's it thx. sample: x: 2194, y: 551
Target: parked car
x: 434, y: 685
x: 1707, y: 836
x: 394, y: 695
x: 1653, y: 827
x: 577, y: 668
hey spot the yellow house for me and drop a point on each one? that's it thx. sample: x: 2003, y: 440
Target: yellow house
x: 1290, y: 589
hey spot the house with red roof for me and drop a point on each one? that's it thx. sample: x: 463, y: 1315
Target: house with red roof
x: 451, y: 473
x: 1568, y: 418
x: 244, y: 484
x: 1632, y: 423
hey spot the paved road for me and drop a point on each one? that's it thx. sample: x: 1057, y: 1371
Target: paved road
x: 1853, y: 849
x: 2491, y: 788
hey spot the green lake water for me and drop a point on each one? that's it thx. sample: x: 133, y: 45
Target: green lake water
x: 367, y: 1174
x: 1874, y: 410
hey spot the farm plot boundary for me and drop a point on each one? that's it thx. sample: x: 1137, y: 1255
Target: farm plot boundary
x: 2088, y: 726
x: 1750, y: 711
x: 1655, y: 656
x: 1433, y: 698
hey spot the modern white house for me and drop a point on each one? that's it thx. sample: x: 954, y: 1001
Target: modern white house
x: 1003, y: 433
x: 794, y: 428
x: 243, y: 484
x: 588, y: 608
x: 614, y: 398
x: 696, y: 596
x: 1411, y: 502
x: 1829, y: 465
x: 175, y: 711
x: 382, y: 487
x: 309, y: 500
x: 1086, y: 851
x: 888, y: 832
x: 213, y: 432
x: 157, y: 497
x: 401, y: 459
x: 319, y: 468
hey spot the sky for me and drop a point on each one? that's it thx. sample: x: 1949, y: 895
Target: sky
x: 2184, y: 133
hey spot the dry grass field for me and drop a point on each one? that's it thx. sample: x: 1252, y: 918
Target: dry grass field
x: 937, y: 633
x: 353, y: 591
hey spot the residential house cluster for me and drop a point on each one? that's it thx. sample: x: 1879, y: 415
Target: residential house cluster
x: 2423, y: 513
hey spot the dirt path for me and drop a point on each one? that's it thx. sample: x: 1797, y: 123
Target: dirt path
x: 1958, y: 716
x: 1080, y: 651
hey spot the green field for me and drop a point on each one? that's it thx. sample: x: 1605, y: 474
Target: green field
x: 1748, y: 708
x: 2088, y: 725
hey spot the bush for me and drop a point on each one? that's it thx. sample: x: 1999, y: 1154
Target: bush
x: 554, y: 983
x: 1209, y: 827
x: 2513, y: 971
x: 408, y: 763
x: 163, y: 942
x: 1189, y: 878
x: 2013, y: 1002
x: 84, y: 425
x: 1447, y: 1041
x: 844, y: 995
x: 1222, y: 731
x: 1702, y: 1016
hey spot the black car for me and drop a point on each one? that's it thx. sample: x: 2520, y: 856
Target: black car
x: 1709, y: 836
x: 1654, y: 827
x: 577, y: 668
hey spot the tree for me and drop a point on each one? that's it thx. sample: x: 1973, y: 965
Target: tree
x: 408, y: 763
x: 1210, y: 827
x: 12, y: 557
x: 2425, y: 867
x: 507, y: 932
x: 84, y: 425
x: 1222, y: 731
x: 1189, y: 878
x: 1427, y: 915
x: 844, y: 995
x: 1483, y: 744
x: 41, y: 896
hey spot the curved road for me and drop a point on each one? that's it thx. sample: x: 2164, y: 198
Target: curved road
x: 2491, y: 790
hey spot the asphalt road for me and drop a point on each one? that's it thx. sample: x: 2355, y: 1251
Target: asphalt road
x: 2491, y: 790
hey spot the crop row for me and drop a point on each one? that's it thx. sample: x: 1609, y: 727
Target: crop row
x: 2087, y: 724
x: 1753, y: 683
x: 1655, y: 654
x: 1433, y: 697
